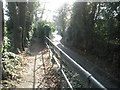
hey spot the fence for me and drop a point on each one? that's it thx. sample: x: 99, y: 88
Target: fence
x: 85, y: 76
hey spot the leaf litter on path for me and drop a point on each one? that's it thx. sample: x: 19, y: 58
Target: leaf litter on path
x: 37, y: 72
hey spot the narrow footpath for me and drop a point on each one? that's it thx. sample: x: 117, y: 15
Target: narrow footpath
x: 37, y: 71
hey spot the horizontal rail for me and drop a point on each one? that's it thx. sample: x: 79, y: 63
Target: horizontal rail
x: 68, y: 82
x: 76, y: 67
x: 64, y: 74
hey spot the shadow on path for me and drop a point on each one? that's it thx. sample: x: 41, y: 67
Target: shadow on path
x: 37, y: 71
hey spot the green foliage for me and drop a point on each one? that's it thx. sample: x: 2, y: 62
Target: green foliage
x: 93, y: 21
x: 51, y: 26
x: 43, y: 28
x: 10, y: 63
x: 21, y: 16
x: 40, y: 30
x: 62, y: 19
x: 95, y: 30
x: 7, y: 45
x: 107, y: 25
x: 73, y: 78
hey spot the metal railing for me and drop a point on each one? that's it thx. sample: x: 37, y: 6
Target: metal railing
x: 63, y: 57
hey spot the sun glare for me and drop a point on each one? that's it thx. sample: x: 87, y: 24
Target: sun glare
x: 55, y: 4
x: 52, y: 6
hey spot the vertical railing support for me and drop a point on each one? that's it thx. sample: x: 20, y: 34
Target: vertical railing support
x: 91, y: 81
x: 60, y: 69
x: 49, y: 48
x: 43, y: 63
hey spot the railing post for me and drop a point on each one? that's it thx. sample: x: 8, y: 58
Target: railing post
x: 52, y: 60
x: 43, y: 63
x: 48, y: 45
x: 49, y: 53
x: 49, y: 48
x: 89, y: 82
x: 60, y: 68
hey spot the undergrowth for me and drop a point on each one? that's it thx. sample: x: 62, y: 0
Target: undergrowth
x: 11, y: 63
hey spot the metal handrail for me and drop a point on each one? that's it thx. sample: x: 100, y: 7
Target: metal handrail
x: 69, y: 84
x: 79, y: 69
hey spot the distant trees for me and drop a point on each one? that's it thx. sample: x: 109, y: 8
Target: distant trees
x: 91, y: 21
x: 107, y: 33
x: 82, y: 24
x: 17, y: 20
x: 43, y: 28
x: 20, y: 19
x: 95, y: 29
x: 108, y: 22
x: 24, y: 23
x: 62, y: 19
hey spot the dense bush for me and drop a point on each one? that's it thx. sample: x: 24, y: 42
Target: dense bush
x: 43, y: 29
x: 10, y: 64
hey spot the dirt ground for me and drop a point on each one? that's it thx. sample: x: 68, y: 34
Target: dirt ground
x: 37, y: 69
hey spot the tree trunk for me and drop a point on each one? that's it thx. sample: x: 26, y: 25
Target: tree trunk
x: 22, y: 11
x: 1, y: 25
x: 16, y: 33
x: 90, y: 27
